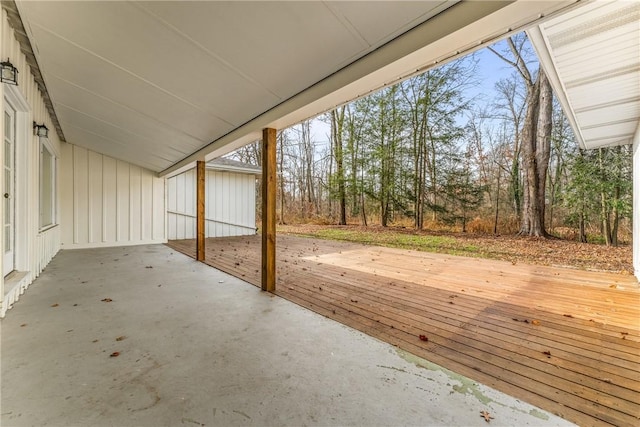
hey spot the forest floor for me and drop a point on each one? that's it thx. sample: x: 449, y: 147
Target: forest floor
x: 528, y: 250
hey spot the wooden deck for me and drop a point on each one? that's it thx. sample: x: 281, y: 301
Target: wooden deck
x: 565, y: 340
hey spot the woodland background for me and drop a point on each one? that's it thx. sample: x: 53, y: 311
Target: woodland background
x: 429, y: 153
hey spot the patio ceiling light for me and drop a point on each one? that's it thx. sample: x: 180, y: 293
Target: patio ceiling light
x: 40, y: 130
x: 9, y: 73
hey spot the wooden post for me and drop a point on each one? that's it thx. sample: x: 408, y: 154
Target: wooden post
x: 200, y: 180
x: 268, y: 209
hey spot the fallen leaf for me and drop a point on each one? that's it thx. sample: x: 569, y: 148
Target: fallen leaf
x: 106, y: 300
x: 423, y: 338
x: 486, y: 415
x: 120, y: 338
x: 535, y: 322
x: 115, y: 354
x: 55, y: 305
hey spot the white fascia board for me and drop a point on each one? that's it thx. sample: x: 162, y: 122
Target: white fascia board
x: 235, y: 169
x: 541, y: 46
x: 462, y: 28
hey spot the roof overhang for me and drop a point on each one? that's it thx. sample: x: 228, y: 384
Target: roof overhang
x: 455, y: 32
x: 592, y: 57
x: 163, y: 84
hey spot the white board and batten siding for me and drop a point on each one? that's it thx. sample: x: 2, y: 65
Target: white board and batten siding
x: 230, y: 204
x: 109, y: 202
x: 34, y: 247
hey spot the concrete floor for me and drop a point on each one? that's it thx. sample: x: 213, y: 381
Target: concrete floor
x: 198, y: 347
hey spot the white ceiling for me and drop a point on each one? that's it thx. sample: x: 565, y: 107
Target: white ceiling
x: 593, y: 57
x: 161, y: 84
x: 154, y: 81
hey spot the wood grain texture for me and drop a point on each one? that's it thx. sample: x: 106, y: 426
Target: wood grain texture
x: 269, y: 210
x: 200, y: 204
x: 491, y: 321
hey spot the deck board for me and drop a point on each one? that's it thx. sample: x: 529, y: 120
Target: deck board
x: 478, y: 315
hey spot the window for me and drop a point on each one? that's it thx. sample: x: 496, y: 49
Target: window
x: 47, y: 185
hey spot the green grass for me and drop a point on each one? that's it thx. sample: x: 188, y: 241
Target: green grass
x: 440, y: 244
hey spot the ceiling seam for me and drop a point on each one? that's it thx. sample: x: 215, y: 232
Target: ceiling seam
x: 142, y: 137
x: 611, y: 123
x: 606, y: 75
x: 608, y: 104
x: 207, y: 51
x: 125, y: 107
x: 148, y: 82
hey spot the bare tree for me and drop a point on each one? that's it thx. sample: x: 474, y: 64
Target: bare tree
x: 337, y: 131
x: 536, y: 138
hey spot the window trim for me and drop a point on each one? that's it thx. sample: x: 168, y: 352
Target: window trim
x: 45, y: 144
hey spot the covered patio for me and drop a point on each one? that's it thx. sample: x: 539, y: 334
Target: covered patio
x: 120, y: 330
x: 197, y: 347
x: 565, y: 340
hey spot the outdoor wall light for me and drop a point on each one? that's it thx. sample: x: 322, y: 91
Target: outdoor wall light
x: 40, y: 130
x: 9, y: 73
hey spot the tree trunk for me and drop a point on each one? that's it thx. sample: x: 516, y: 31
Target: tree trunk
x: 281, y: 175
x: 583, y: 234
x: 604, y: 208
x: 536, y: 138
x: 337, y: 122
x: 495, y: 222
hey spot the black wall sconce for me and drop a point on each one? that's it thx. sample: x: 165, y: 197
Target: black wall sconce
x: 40, y: 130
x: 9, y: 73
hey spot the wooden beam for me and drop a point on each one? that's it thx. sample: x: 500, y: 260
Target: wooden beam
x: 200, y: 189
x: 269, y: 209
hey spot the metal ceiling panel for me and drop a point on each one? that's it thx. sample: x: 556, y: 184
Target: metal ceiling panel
x: 592, y: 54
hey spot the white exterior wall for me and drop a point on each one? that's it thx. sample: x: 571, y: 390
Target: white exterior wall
x: 34, y: 247
x: 109, y: 202
x: 230, y: 204
x: 636, y: 203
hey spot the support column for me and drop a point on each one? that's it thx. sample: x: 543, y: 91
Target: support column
x: 268, y: 209
x: 200, y: 179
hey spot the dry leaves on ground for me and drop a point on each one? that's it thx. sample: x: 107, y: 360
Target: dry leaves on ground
x: 529, y: 250
x: 486, y: 415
